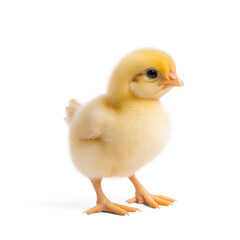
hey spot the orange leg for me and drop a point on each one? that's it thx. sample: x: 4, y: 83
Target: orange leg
x: 104, y: 204
x: 143, y: 196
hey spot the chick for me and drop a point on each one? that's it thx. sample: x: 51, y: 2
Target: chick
x: 118, y: 133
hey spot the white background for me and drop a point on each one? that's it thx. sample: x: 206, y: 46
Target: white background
x: 51, y: 51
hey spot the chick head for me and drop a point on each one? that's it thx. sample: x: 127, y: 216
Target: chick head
x: 144, y: 73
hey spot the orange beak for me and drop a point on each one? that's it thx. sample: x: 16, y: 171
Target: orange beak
x: 173, y: 80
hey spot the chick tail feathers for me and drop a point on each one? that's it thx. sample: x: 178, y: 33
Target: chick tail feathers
x: 71, y: 109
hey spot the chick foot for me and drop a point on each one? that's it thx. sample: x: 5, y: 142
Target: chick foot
x: 111, y: 207
x: 104, y: 204
x: 143, y: 196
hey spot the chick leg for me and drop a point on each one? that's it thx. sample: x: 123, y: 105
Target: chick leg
x: 104, y: 204
x: 143, y: 196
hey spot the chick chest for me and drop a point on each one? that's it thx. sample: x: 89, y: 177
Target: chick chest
x: 138, y: 132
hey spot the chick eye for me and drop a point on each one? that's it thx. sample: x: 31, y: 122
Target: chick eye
x: 152, y: 74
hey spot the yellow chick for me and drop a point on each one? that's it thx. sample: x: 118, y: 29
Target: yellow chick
x: 119, y: 132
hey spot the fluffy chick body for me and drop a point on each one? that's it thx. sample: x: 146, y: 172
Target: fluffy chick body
x: 117, y: 141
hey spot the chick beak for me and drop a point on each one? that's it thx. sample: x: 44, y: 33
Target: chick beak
x: 172, y: 80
